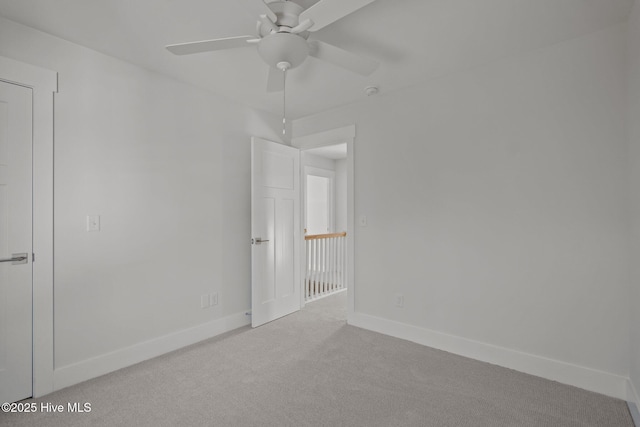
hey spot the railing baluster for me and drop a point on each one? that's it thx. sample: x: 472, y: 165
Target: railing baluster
x: 332, y: 268
x: 323, y: 251
x: 332, y: 254
x: 312, y: 266
x: 341, y: 267
x: 329, y: 264
x: 333, y: 264
x: 343, y: 271
x: 313, y: 269
x: 307, y: 291
x: 311, y: 255
x: 342, y: 262
x: 316, y: 269
x: 323, y: 254
x: 339, y: 262
x: 310, y: 272
x: 327, y: 254
x: 326, y: 265
x: 338, y: 240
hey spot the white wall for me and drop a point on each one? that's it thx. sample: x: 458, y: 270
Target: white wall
x: 634, y: 138
x: 340, y: 168
x: 315, y: 161
x: 341, y: 195
x: 319, y: 204
x: 167, y: 167
x: 496, y: 203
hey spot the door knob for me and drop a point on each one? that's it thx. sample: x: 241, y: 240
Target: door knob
x: 257, y: 241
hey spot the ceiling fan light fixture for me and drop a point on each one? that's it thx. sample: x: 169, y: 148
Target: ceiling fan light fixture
x: 283, y: 47
x: 282, y: 31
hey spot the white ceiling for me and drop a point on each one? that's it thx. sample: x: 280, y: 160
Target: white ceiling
x: 414, y: 40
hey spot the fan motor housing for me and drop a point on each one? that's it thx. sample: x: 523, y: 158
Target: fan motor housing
x: 287, y: 13
x: 283, y: 47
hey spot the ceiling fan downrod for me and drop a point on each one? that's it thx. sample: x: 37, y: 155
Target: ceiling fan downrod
x: 284, y: 66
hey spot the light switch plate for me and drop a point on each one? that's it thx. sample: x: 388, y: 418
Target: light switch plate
x: 204, y: 301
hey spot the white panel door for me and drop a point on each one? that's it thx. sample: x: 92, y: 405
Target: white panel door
x: 15, y: 242
x: 275, y: 231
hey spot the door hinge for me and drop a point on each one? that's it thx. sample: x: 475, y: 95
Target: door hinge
x: 33, y: 257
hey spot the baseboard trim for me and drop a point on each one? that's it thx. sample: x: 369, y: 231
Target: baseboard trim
x: 326, y: 295
x: 635, y: 415
x: 566, y: 373
x: 91, y: 368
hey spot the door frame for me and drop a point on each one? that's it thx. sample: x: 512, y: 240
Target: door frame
x: 346, y: 134
x: 44, y: 84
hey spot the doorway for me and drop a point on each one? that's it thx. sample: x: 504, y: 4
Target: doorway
x: 324, y: 217
x: 262, y: 236
x: 337, y: 147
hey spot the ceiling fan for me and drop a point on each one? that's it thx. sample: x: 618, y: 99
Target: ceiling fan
x: 283, y: 30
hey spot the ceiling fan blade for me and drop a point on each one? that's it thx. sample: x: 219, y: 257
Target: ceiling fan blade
x: 342, y: 58
x: 210, y: 45
x: 260, y: 7
x: 302, y: 26
x: 326, y: 12
x: 275, y: 82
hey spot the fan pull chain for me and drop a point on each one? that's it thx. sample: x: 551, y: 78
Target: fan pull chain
x: 284, y: 102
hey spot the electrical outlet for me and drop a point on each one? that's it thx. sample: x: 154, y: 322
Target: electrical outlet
x: 204, y: 301
x: 213, y: 299
x: 93, y: 222
x: 399, y: 300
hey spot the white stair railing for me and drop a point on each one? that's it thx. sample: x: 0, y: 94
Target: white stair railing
x: 326, y: 265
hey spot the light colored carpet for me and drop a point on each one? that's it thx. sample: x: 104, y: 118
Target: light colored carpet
x: 311, y: 369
